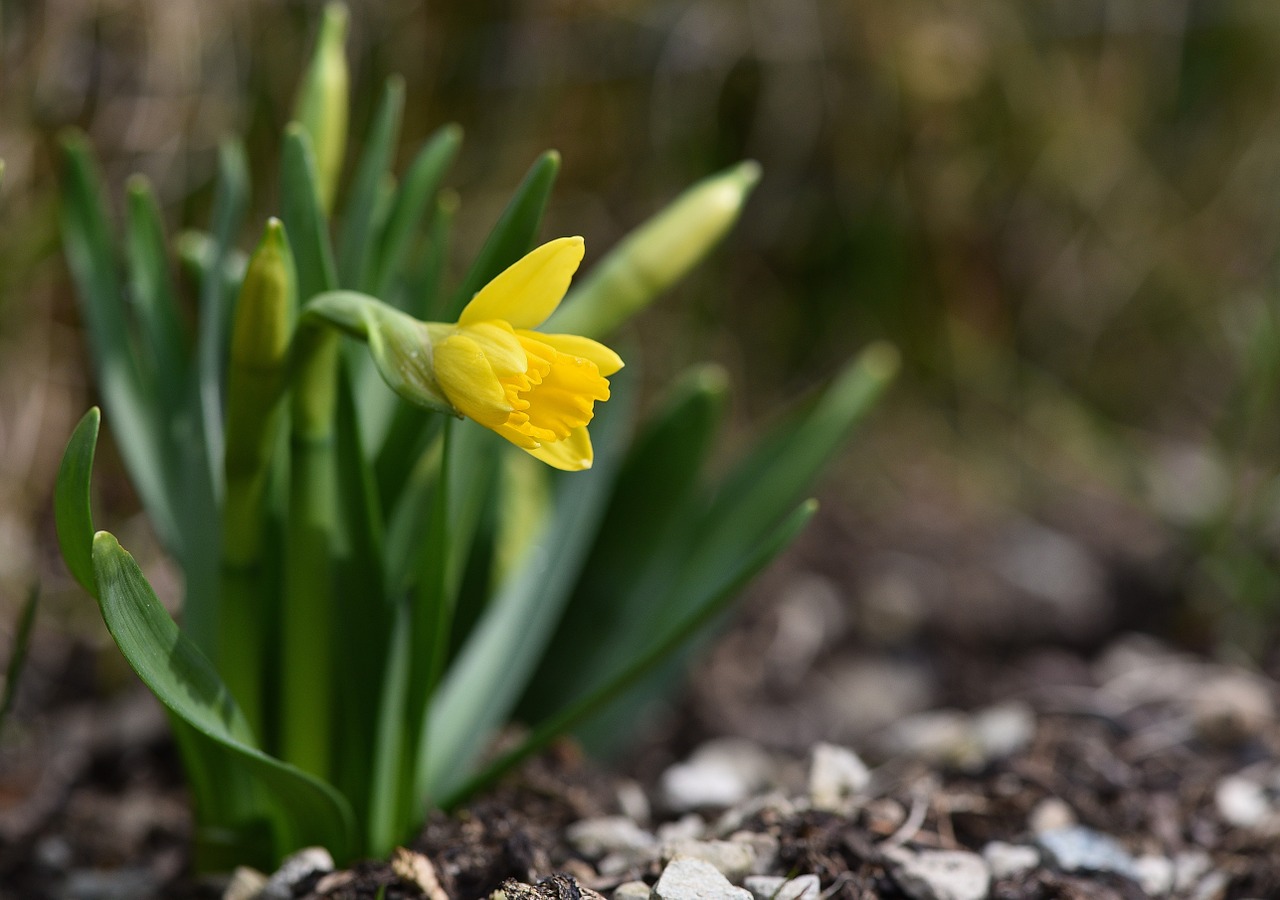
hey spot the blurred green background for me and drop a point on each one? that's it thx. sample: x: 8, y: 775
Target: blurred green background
x: 1064, y: 213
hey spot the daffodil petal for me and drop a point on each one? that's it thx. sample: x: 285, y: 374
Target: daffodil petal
x: 530, y: 289
x: 573, y: 454
x: 468, y: 381
x: 500, y: 347
x: 605, y: 359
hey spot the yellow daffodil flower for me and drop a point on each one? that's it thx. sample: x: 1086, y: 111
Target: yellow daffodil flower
x: 536, y: 390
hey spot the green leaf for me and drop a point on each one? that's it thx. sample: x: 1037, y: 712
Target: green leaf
x: 230, y: 199
x: 514, y: 233
x: 355, y: 237
x: 415, y: 197
x: 18, y: 650
x: 606, y: 618
x: 303, y: 216
x: 164, y: 340
x: 597, y: 697
x: 488, y: 676
x: 73, y: 513
x: 304, y: 810
x: 90, y: 250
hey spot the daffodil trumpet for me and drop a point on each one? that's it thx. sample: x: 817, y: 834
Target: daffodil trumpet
x: 536, y: 390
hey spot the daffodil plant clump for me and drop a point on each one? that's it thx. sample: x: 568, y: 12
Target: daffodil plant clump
x: 406, y: 515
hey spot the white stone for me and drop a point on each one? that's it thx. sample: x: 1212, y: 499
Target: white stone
x: 1154, y: 874
x: 1241, y: 802
x: 1003, y: 730
x: 1188, y: 867
x: 1010, y: 860
x: 1051, y: 814
x: 634, y: 802
x: 836, y: 775
x: 940, y: 874
x: 689, y: 827
x: 776, y: 887
x: 942, y: 737
x: 1231, y: 708
x: 719, y: 773
x: 245, y: 884
x: 594, y: 838
x: 294, y: 870
x: 732, y: 859
x: 631, y: 890
x: 686, y: 878
x: 764, y: 845
x: 1080, y: 849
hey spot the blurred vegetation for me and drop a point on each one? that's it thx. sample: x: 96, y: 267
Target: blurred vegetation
x: 1064, y: 212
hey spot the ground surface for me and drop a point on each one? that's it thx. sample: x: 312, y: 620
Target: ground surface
x: 1128, y: 768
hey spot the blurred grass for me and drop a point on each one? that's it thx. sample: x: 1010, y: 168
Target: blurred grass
x: 1065, y: 213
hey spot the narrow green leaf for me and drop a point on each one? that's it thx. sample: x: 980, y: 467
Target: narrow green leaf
x: 425, y: 295
x: 355, y: 237
x: 230, y: 200
x: 654, y: 492
x: 477, y: 694
x: 307, y: 811
x: 18, y: 650
x: 151, y: 284
x: 90, y: 250
x: 303, y: 216
x: 416, y: 195
x: 596, y: 697
x: 514, y: 233
x: 73, y: 513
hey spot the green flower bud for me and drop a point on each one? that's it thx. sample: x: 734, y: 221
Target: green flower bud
x: 656, y: 255
x: 323, y: 99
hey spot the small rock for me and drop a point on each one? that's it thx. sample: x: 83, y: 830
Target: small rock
x: 686, y: 878
x: 719, y: 773
x: 1080, y: 849
x: 884, y: 815
x: 1231, y: 708
x: 940, y: 874
x: 689, y: 827
x: 942, y: 737
x: 1188, y: 867
x: 1003, y: 730
x: 416, y: 869
x: 732, y: 859
x: 594, y: 838
x: 333, y: 883
x: 631, y: 890
x: 1154, y: 874
x: 763, y: 844
x: 245, y: 884
x: 634, y: 802
x: 776, y: 887
x: 1212, y: 886
x: 1051, y: 814
x: 862, y: 696
x: 296, y: 868
x: 1010, y: 860
x: 1241, y: 802
x: 836, y: 776
x: 54, y: 853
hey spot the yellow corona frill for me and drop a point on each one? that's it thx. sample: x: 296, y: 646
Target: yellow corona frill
x: 536, y: 390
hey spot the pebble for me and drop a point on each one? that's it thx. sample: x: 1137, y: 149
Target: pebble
x: 594, y: 838
x: 1241, y: 802
x: 686, y: 878
x: 777, y: 887
x: 689, y: 827
x: 631, y: 890
x: 1080, y: 849
x: 1188, y: 867
x: 1231, y: 708
x: 114, y: 884
x: 1051, y: 814
x: 735, y: 860
x: 295, y: 869
x: 733, y: 818
x: 1003, y: 730
x: 1154, y: 874
x: 837, y: 775
x: 720, y: 773
x: 245, y: 884
x: 1010, y: 860
x: 940, y: 874
x: 941, y: 737
x: 764, y: 845
x: 634, y: 802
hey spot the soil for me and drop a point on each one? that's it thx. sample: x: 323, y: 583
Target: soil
x: 1130, y: 737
